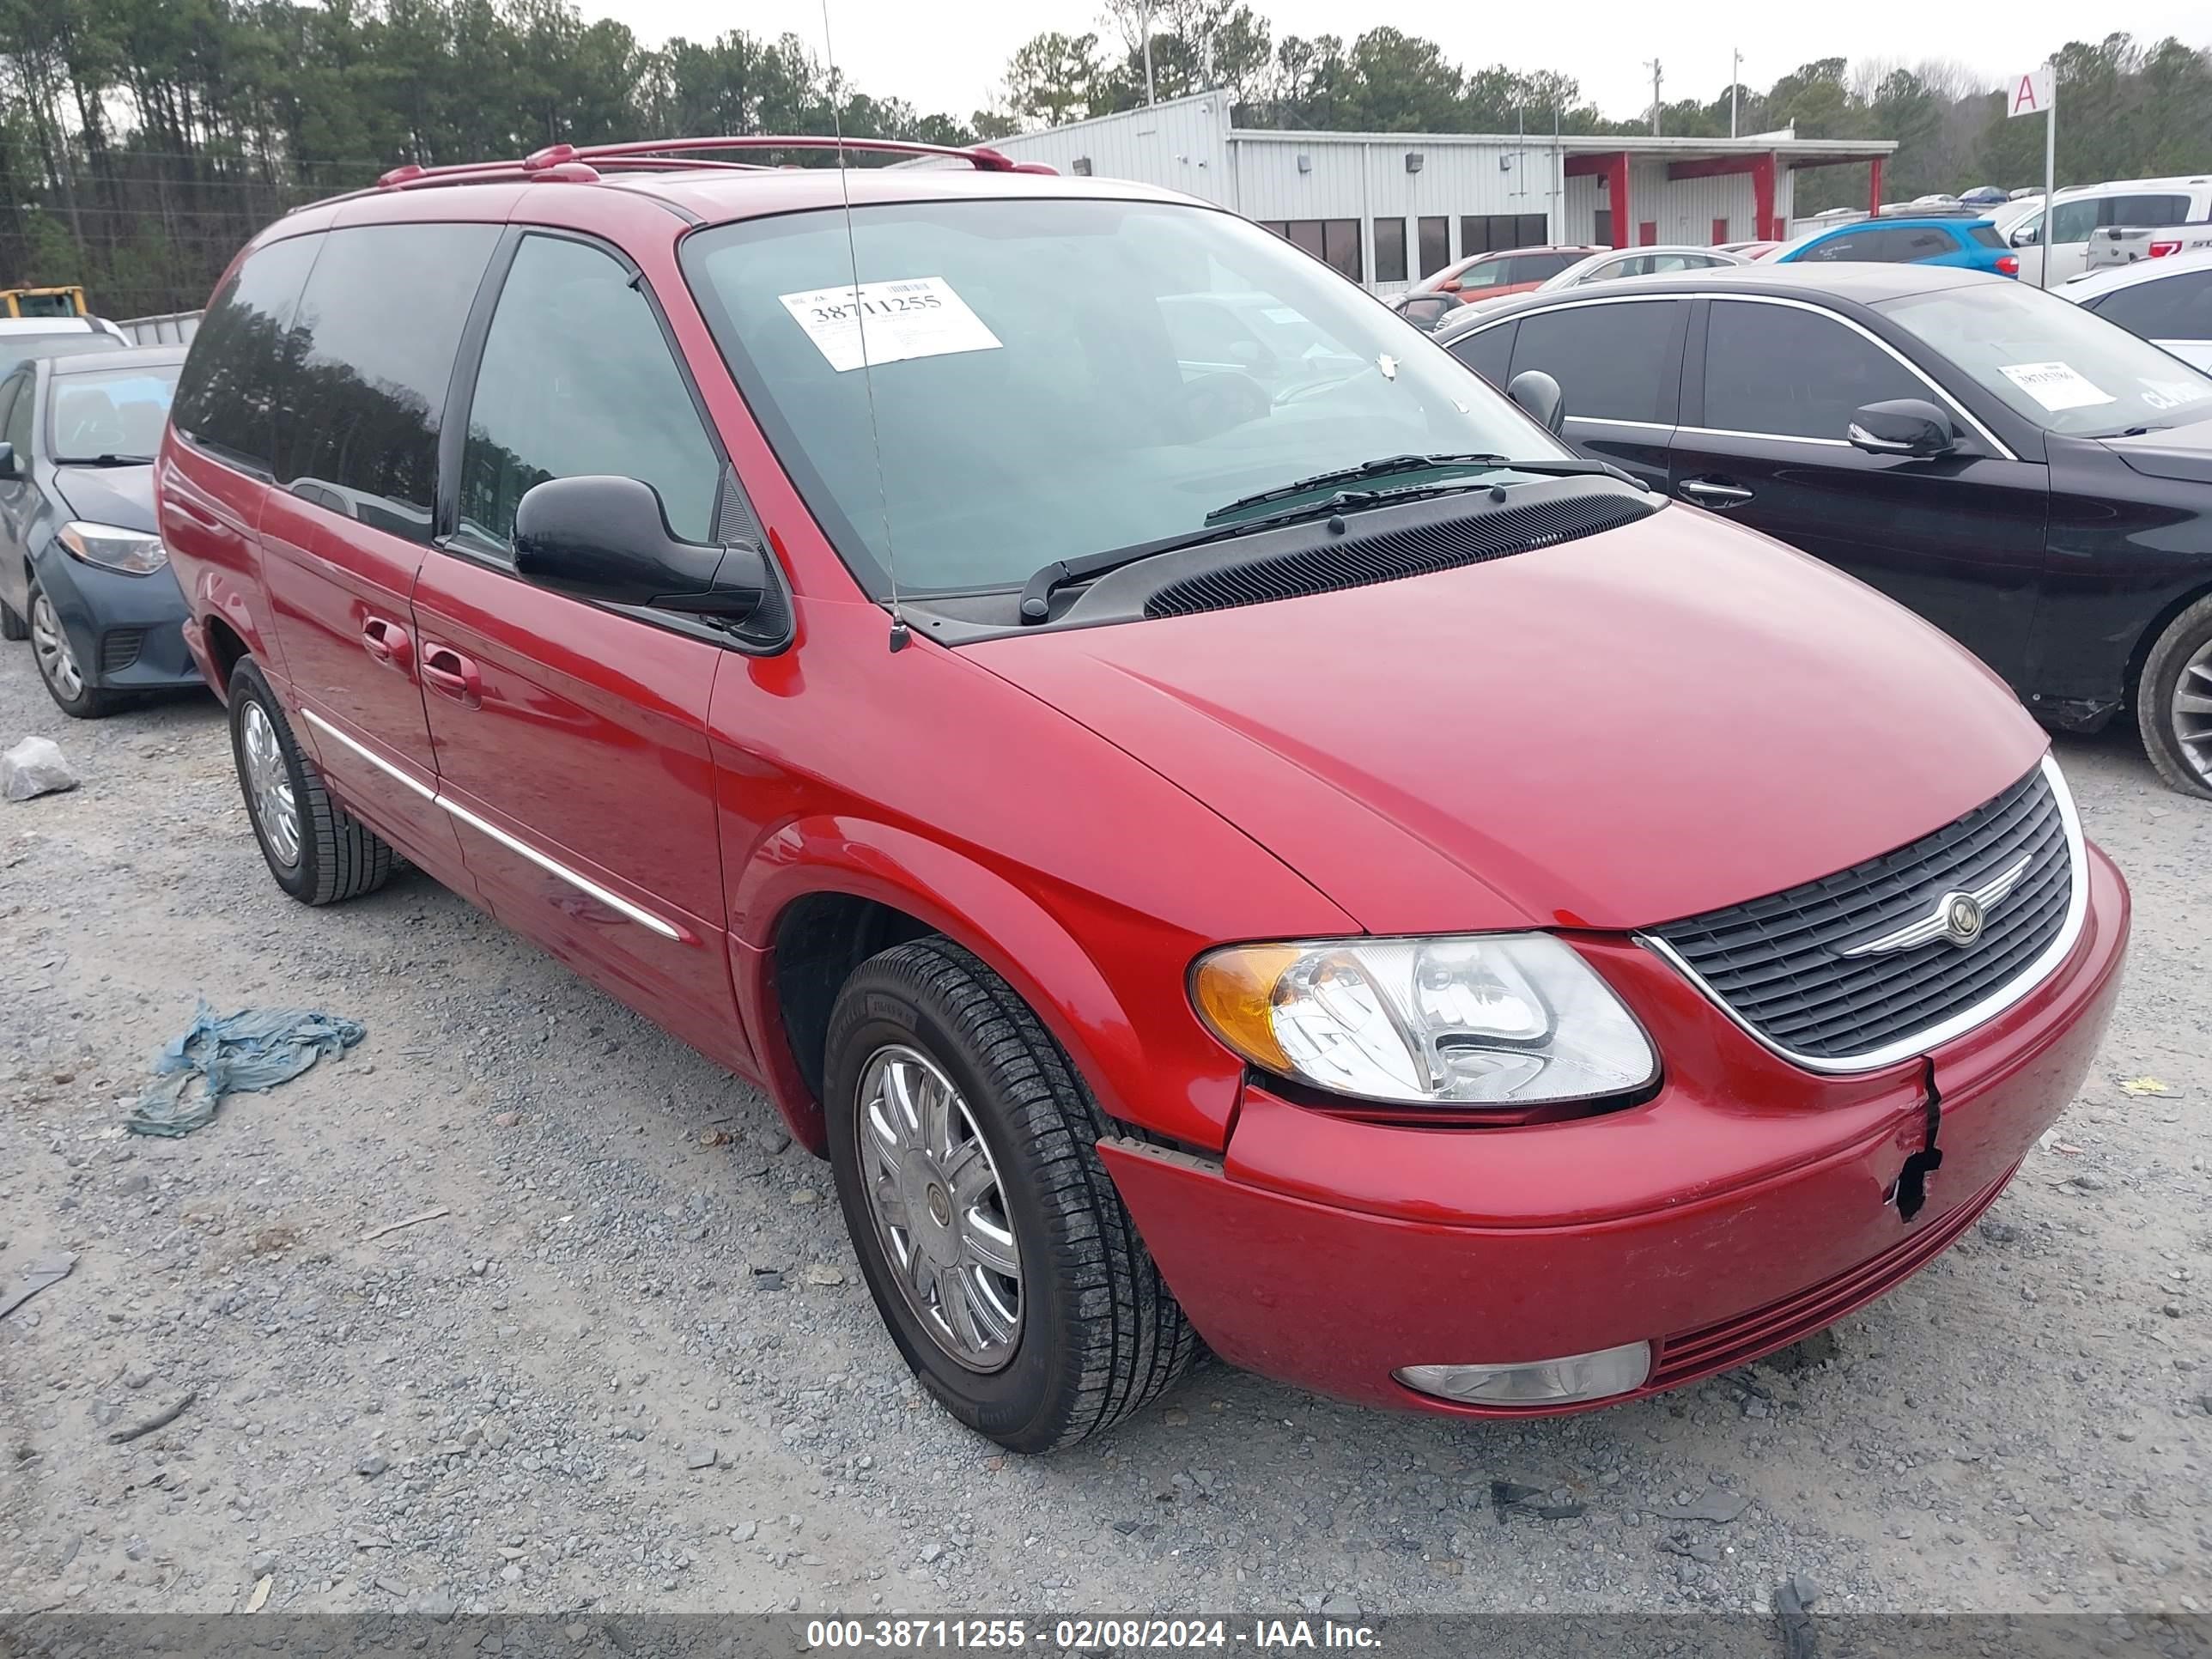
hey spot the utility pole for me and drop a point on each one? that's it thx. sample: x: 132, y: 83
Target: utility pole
x: 1654, y: 63
x: 1147, y: 26
x: 1735, y: 76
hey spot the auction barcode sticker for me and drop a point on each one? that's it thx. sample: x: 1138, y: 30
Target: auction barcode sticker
x: 913, y: 317
x: 2055, y: 385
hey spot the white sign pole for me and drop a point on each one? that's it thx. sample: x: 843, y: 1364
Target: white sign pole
x: 2050, y: 174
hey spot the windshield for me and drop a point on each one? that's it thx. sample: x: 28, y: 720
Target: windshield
x: 1054, y: 379
x: 2052, y: 363
x: 116, y: 411
x: 16, y: 349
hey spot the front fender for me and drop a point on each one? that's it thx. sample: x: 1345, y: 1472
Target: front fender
x: 1173, y: 1078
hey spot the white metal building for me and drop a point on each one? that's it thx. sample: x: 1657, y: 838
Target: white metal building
x: 1438, y: 196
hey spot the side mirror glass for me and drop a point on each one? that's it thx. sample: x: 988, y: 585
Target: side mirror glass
x: 7, y: 461
x: 1903, y: 426
x: 2027, y: 236
x: 606, y: 539
x: 1539, y: 398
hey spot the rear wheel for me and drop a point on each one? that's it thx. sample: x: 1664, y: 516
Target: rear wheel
x: 12, y: 626
x: 74, y: 694
x: 2173, y: 701
x: 318, y: 852
x: 999, y: 1254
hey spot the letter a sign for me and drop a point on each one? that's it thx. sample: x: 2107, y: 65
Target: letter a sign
x: 2031, y: 93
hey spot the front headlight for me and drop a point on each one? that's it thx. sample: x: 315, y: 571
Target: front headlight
x: 132, y: 551
x: 1474, y: 1019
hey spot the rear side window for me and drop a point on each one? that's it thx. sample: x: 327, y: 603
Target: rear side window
x: 226, y: 395
x: 372, y: 355
x: 1893, y: 245
x: 577, y: 378
x: 1614, y: 362
x: 2144, y: 210
x: 1489, y: 354
x: 1793, y: 373
x: 1985, y: 235
x: 2169, y: 308
x: 1536, y: 267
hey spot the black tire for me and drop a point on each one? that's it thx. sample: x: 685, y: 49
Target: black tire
x: 339, y: 857
x: 2177, y: 652
x: 12, y: 626
x: 1101, y: 1336
x: 89, y: 702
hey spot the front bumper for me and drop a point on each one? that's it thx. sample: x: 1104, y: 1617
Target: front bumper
x: 126, y: 631
x: 1746, y: 1206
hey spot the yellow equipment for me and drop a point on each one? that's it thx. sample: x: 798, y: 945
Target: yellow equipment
x: 43, y: 302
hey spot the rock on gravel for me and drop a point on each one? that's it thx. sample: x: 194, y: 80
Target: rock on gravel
x: 35, y: 767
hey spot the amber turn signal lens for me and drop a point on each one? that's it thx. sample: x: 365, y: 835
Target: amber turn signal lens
x: 1234, y: 991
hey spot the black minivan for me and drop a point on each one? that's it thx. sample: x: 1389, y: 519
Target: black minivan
x: 2034, y: 480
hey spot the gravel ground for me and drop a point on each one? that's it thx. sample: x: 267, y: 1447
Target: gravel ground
x: 585, y: 1384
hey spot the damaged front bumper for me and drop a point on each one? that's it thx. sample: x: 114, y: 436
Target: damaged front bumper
x: 1746, y: 1206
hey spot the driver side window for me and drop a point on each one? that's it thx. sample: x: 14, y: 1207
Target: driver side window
x: 577, y: 380
x: 2072, y: 222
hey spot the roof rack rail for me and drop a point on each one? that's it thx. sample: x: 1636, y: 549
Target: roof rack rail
x: 982, y: 157
x: 583, y: 163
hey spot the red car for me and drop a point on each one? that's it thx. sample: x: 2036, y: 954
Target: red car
x: 1513, y: 271
x: 1205, y: 851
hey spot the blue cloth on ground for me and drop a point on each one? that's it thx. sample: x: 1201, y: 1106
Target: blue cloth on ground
x: 249, y: 1051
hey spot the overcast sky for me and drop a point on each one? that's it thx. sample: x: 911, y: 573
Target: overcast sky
x: 948, y: 56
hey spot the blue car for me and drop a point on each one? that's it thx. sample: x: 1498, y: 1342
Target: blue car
x: 1928, y: 240
x: 83, y: 574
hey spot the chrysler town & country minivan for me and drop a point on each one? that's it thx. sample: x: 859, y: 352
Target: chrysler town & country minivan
x: 1211, y: 850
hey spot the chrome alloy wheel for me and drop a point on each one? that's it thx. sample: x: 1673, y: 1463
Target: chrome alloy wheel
x: 269, y: 785
x: 52, y: 648
x: 2192, y: 712
x: 940, y: 1210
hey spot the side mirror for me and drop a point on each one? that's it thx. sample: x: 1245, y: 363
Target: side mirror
x: 1903, y: 426
x: 1451, y: 287
x: 7, y: 462
x: 2027, y: 236
x: 606, y: 539
x: 1540, y: 398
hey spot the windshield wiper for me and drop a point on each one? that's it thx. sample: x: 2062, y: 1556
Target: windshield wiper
x: 1383, y: 466
x: 107, y: 459
x: 1037, y: 592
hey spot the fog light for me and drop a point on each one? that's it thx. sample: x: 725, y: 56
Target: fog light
x: 1540, y: 1382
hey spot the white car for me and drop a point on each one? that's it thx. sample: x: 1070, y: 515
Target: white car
x: 2167, y: 302
x: 54, y: 337
x: 2074, y: 214
x: 1627, y: 261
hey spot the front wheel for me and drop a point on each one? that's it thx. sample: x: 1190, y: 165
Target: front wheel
x: 64, y: 678
x: 964, y: 1147
x: 2173, y: 701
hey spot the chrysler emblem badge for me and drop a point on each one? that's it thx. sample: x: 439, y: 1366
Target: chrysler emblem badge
x: 1955, y: 917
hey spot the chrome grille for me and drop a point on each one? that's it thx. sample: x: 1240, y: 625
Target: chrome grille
x: 1782, y: 965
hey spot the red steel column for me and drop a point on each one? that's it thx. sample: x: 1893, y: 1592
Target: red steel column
x: 1616, y: 189
x: 1873, y: 186
x: 1762, y: 195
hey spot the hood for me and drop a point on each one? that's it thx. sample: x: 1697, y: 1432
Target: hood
x: 1611, y: 732
x: 120, y: 495
x: 2175, y: 452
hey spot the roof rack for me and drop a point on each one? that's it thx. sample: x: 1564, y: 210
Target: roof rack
x: 584, y: 164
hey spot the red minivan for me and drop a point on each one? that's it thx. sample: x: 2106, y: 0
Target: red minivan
x: 1281, y: 854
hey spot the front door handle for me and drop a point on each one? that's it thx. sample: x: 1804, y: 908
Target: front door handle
x: 447, y: 670
x: 1706, y: 493
x: 388, y: 643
